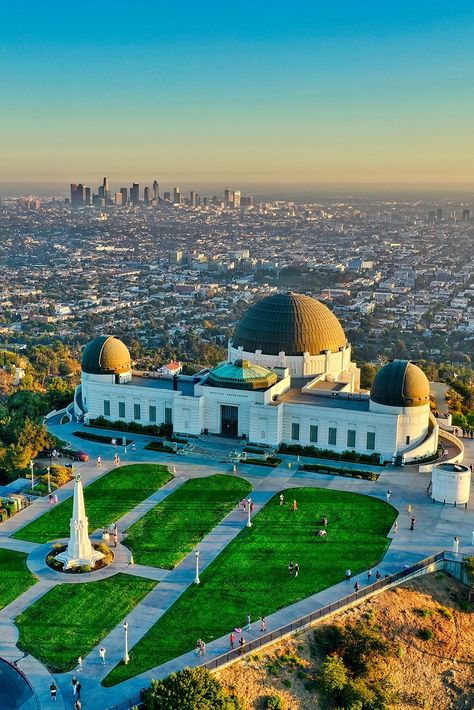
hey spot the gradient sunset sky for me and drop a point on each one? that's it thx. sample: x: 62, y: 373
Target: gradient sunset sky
x: 323, y: 92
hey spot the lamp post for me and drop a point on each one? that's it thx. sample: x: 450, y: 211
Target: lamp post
x: 126, y: 657
x: 196, y: 579
x: 249, y: 503
x: 49, y: 479
x: 32, y: 463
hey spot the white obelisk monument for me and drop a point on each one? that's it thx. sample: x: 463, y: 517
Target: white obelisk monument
x: 79, y: 549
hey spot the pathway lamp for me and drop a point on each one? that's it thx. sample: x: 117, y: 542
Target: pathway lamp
x: 249, y: 503
x: 196, y: 579
x: 126, y: 657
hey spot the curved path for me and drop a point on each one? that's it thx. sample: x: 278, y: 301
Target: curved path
x: 436, y: 525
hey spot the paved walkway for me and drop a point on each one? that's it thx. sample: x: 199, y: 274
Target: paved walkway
x: 435, y: 528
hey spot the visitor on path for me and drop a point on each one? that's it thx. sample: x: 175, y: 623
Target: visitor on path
x: 134, y: 448
x: 203, y: 648
x: 74, y: 683
x: 78, y: 705
x: 263, y: 625
x: 282, y: 499
x: 114, y: 442
x: 51, y: 499
x: 456, y: 545
x: 249, y: 625
x: 369, y: 575
x: 252, y: 506
x: 348, y: 574
x: 115, y: 538
x: 430, y: 487
x: 290, y: 568
x: 409, y: 508
x: 295, y: 506
x: 78, y: 689
x: 102, y: 653
x: 80, y: 667
x: 377, y: 575
x: 232, y: 640
x: 297, y: 569
x: 241, y: 644
x: 244, y: 504
x: 53, y: 691
x: 395, y: 527
x: 56, y: 499
x: 99, y: 461
x: 200, y: 647
x: 413, y: 521
x: 389, y: 495
x: 356, y: 586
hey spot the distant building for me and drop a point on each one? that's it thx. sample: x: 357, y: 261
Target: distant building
x: 135, y: 194
x: 77, y: 195
x: 466, y: 215
x: 118, y: 198
x: 236, y: 199
x: 156, y: 191
x: 123, y: 191
x: 147, y: 196
x: 171, y: 368
x: 176, y: 196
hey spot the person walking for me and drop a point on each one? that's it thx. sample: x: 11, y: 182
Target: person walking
x: 290, y: 568
x: 282, y: 499
x: 356, y: 587
x: 53, y: 691
x: 78, y: 705
x: 74, y: 683
x: 198, y: 647
x: 99, y: 462
x: 409, y: 508
x: 79, y: 664
x: 295, y: 506
x: 413, y: 521
x: 102, y: 653
x: 395, y: 527
x: 348, y: 574
x: 232, y: 640
x: 297, y: 569
x: 56, y: 499
x: 241, y: 644
x: 115, y: 539
x: 369, y: 575
x: 456, y: 545
x: 78, y: 689
x: 252, y: 506
x: 203, y: 648
x: 377, y: 575
x: 263, y: 625
x: 389, y: 495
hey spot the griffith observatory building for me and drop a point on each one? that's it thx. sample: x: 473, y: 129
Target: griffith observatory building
x: 288, y: 378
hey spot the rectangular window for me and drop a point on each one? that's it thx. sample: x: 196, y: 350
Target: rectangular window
x: 351, y: 438
x: 407, y: 440
x: 371, y: 440
x: 168, y: 415
x: 332, y: 436
x: 313, y: 433
x: 152, y: 413
x: 136, y: 411
x: 106, y: 407
x: 295, y: 431
x: 121, y: 410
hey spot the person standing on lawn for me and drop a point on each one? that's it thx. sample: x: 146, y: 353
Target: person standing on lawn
x: 282, y: 499
x: 297, y: 569
x: 295, y: 506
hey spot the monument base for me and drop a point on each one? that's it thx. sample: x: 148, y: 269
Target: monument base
x: 91, y: 560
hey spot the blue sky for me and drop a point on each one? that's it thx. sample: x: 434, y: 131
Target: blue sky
x: 284, y: 92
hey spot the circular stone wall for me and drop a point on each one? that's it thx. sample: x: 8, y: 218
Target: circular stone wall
x: 451, y: 483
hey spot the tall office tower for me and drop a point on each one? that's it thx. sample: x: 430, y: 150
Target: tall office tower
x: 439, y: 213
x: 118, y: 199
x: 87, y: 195
x: 167, y: 196
x: 176, y: 196
x: 123, y: 191
x: 135, y: 194
x: 236, y: 199
x: 175, y: 257
x: 147, y: 196
x: 193, y: 200
x: 96, y: 200
x: 215, y: 200
x: 226, y: 197
x: 77, y: 195
x: 156, y: 191
x: 249, y: 201
x: 101, y: 191
x: 466, y: 215
x: 205, y: 201
x: 105, y: 184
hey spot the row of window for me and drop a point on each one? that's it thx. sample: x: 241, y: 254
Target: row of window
x: 137, y: 412
x: 332, y: 436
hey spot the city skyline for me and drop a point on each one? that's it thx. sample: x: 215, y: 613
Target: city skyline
x: 322, y: 96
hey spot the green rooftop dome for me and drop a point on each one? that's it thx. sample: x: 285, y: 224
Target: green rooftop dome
x: 241, y: 375
x: 289, y: 322
x: 400, y: 383
x: 106, y: 355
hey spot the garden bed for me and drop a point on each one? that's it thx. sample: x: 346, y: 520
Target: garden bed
x: 270, y: 462
x: 336, y: 471
x: 159, y: 446
x: 52, y: 562
x: 314, y: 452
x: 98, y: 437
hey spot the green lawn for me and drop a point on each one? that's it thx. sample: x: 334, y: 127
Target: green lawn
x: 71, y: 619
x: 107, y: 500
x: 168, y: 532
x: 15, y: 577
x: 251, y: 575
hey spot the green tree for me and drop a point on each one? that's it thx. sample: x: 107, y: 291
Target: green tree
x: 189, y: 689
x: 333, y: 675
x: 367, y: 374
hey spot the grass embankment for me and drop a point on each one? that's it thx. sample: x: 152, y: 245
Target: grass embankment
x: 107, y: 500
x: 170, y: 531
x: 70, y: 619
x: 251, y: 574
x: 15, y: 577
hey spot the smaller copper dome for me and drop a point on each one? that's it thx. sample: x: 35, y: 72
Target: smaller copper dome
x: 400, y: 383
x: 106, y: 355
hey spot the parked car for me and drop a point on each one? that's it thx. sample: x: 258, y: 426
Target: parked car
x: 76, y: 455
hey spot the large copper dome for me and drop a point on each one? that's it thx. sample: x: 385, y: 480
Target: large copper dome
x: 106, y: 355
x: 289, y: 322
x: 400, y: 383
